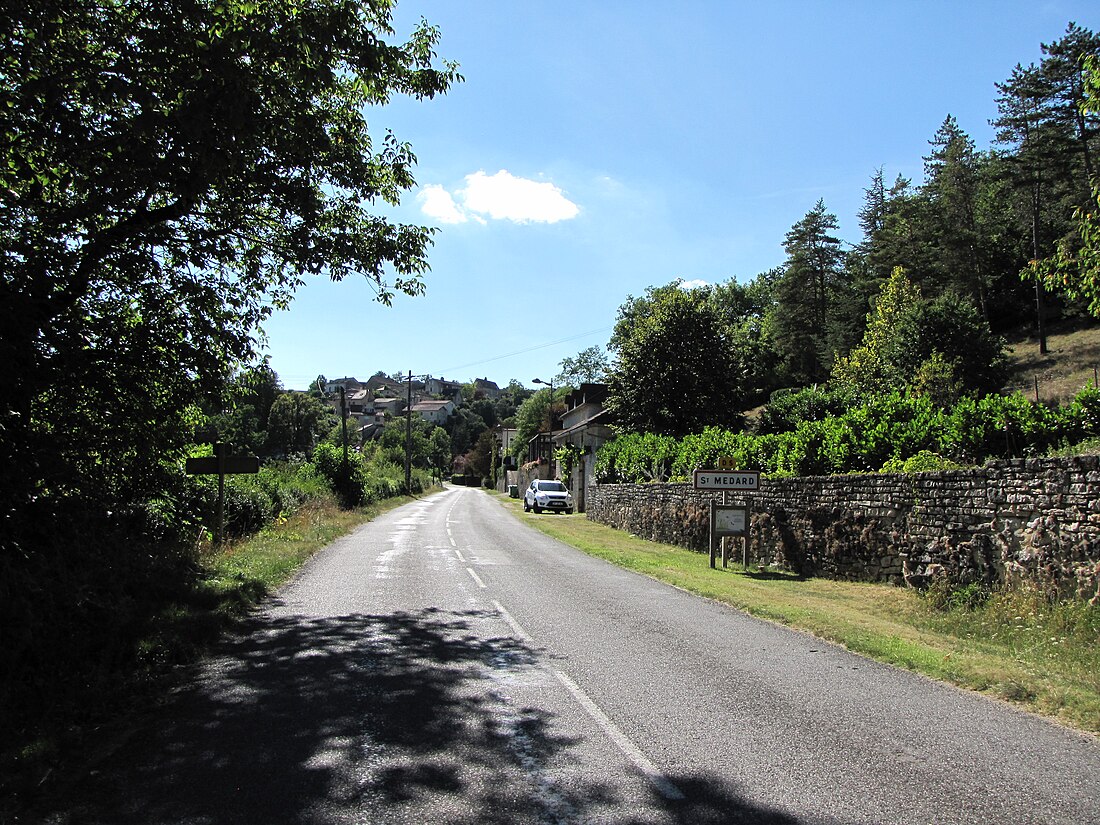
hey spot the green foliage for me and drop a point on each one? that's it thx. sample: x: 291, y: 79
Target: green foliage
x: 899, y: 432
x: 589, y: 366
x: 675, y: 370
x: 939, y: 348
x: 534, y: 417
x: 1074, y: 268
x: 567, y: 456
x: 942, y: 594
x: 296, y: 422
x: 787, y: 408
x: 169, y: 175
x: 950, y: 326
x: 925, y: 461
x: 867, y: 369
x: 636, y: 458
x: 806, y: 296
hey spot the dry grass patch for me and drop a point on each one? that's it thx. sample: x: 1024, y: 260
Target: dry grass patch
x: 1071, y: 363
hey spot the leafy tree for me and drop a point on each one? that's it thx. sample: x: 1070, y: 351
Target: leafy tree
x: 514, y: 395
x: 391, y: 445
x: 1066, y: 71
x: 868, y: 368
x: 675, y: 371
x: 250, y: 396
x: 590, y: 366
x: 169, y: 175
x: 296, y: 423
x: 479, y: 458
x: 1038, y: 165
x: 942, y: 347
x: 745, y: 309
x: 439, y: 451
x: 949, y: 329
x: 463, y: 426
x: 534, y: 417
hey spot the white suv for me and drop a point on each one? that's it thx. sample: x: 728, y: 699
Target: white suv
x: 547, y: 495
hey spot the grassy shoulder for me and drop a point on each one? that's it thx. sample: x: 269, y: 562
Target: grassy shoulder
x: 1014, y: 645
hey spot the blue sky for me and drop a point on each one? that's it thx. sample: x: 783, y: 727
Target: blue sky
x: 598, y: 148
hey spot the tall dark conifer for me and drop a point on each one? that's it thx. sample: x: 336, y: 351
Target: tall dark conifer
x: 805, y: 295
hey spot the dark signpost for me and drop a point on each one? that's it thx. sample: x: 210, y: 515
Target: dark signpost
x: 222, y: 464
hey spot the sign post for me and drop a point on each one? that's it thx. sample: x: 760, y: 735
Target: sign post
x: 726, y: 519
x: 222, y: 464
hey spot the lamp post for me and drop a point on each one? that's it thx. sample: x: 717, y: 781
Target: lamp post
x: 550, y: 457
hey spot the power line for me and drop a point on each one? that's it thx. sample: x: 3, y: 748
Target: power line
x: 525, y: 351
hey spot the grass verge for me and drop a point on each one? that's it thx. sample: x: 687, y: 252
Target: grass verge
x: 1015, y: 645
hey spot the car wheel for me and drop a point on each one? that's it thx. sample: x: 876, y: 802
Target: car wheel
x: 569, y: 511
x: 526, y: 506
x: 537, y: 509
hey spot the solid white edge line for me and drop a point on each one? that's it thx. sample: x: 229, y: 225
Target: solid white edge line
x: 662, y: 783
x: 476, y: 578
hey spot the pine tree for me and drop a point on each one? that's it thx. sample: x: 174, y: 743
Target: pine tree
x: 805, y: 295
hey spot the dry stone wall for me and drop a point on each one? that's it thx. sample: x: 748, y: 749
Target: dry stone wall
x: 1033, y: 519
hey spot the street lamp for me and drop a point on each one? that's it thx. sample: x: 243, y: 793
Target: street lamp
x: 550, y: 457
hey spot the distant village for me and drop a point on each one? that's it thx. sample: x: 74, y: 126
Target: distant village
x: 579, y: 422
x: 433, y: 399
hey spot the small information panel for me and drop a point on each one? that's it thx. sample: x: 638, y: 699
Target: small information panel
x: 730, y: 521
x: 726, y: 480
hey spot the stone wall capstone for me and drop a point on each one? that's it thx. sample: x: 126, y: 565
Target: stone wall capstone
x: 1023, y: 519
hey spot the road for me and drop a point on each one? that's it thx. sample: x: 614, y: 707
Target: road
x: 447, y: 663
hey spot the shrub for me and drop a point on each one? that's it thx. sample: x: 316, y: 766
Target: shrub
x: 923, y: 462
x: 787, y: 408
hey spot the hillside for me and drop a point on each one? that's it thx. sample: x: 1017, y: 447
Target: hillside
x: 1071, y: 363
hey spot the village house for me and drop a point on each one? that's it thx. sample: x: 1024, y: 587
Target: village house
x: 585, y: 425
x: 435, y: 412
x: 484, y: 388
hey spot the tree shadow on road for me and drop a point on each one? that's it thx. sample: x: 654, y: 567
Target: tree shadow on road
x: 364, y: 718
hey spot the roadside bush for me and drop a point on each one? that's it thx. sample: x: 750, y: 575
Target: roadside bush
x: 637, y: 457
x: 248, y: 507
x: 787, y: 409
x: 349, y: 483
x: 923, y: 462
x: 895, y: 432
x: 945, y: 595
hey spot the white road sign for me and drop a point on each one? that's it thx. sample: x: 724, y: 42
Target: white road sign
x: 727, y: 480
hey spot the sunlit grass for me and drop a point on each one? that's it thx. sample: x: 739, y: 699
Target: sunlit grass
x: 1014, y: 645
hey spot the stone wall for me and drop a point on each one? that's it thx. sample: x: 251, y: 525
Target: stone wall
x: 1034, y: 519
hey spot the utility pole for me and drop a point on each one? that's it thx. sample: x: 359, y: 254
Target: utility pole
x: 344, y: 425
x: 408, y: 435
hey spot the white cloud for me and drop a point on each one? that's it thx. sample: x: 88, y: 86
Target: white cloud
x: 502, y: 196
x: 436, y: 202
x: 693, y: 284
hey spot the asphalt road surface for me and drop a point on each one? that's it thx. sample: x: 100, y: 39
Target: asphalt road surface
x: 448, y: 664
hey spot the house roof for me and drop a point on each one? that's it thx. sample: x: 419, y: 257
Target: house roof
x: 603, y: 418
x: 426, y: 406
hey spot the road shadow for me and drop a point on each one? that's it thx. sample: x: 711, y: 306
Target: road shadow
x: 361, y: 718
